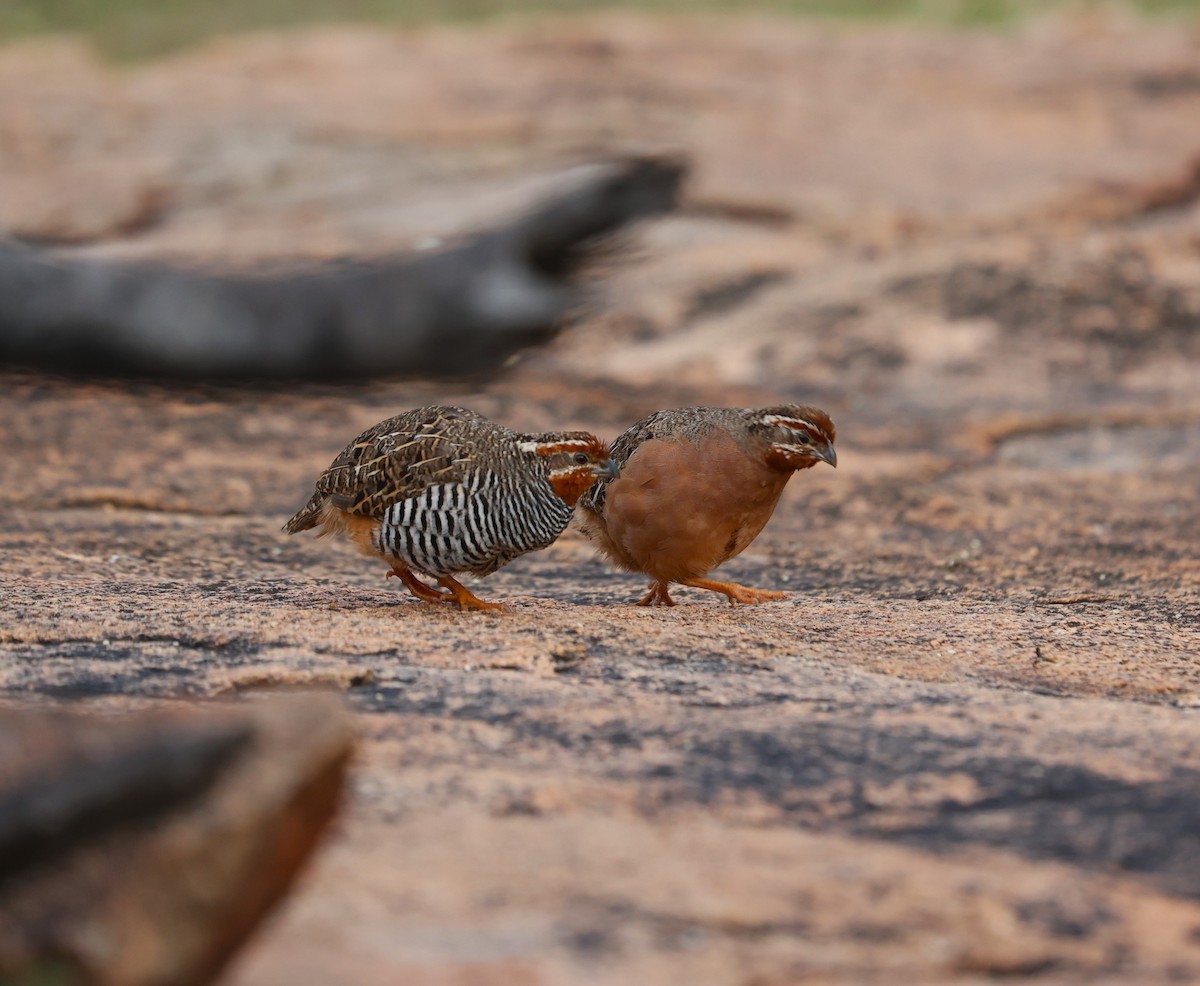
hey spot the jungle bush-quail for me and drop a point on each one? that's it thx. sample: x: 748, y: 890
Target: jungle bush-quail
x: 443, y: 490
x: 696, y: 486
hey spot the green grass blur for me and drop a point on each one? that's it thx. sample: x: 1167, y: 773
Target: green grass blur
x: 133, y: 29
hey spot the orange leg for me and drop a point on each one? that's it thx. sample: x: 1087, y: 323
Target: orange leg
x: 657, y: 596
x: 418, y: 588
x: 465, y: 598
x: 736, y: 593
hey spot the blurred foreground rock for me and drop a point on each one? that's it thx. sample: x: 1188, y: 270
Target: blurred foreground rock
x: 146, y: 848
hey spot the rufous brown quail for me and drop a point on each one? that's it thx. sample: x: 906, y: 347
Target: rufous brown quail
x: 696, y: 486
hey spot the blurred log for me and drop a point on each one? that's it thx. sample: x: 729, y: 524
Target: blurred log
x: 458, y: 312
x: 145, y: 849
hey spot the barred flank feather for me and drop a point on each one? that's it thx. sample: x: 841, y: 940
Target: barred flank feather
x: 474, y: 526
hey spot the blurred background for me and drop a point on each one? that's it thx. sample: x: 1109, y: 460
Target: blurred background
x: 132, y: 29
x: 970, y: 231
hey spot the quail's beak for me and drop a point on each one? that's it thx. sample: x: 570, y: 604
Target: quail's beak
x: 606, y: 470
x: 828, y: 454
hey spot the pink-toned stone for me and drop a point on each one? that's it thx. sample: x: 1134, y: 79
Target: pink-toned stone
x: 149, y: 887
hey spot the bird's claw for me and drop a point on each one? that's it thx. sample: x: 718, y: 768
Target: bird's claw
x: 657, y: 596
x: 740, y: 594
x: 735, y: 593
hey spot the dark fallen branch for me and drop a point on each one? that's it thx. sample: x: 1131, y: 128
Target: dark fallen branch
x: 461, y: 311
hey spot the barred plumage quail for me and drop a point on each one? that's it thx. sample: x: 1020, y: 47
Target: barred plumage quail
x: 696, y: 486
x: 440, y: 491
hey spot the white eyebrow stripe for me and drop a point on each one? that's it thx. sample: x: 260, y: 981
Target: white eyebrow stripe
x: 565, y: 443
x: 780, y: 419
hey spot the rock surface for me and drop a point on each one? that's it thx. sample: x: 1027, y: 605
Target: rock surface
x: 155, y: 841
x: 964, y: 747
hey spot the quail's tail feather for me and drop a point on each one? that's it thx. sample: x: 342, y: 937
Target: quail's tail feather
x: 308, y: 516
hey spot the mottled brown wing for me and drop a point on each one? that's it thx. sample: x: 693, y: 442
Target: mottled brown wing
x: 400, y: 457
x: 654, y: 425
x: 628, y: 441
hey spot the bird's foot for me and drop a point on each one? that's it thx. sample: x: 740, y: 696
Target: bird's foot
x: 657, y: 596
x: 418, y: 588
x: 736, y: 593
x: 463, y: 596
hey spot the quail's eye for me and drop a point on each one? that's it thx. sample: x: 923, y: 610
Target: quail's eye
x: 581, y: 458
